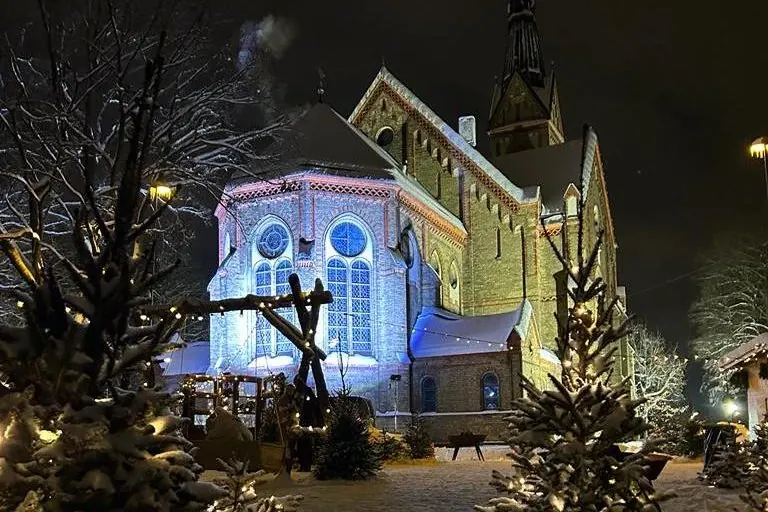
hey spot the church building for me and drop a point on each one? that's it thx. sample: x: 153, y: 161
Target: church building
x: 444, y: 282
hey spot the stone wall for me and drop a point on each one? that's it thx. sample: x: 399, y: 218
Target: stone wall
x: 442, y: 425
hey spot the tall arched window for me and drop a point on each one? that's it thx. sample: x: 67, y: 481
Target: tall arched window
x: 349, y: 256
x: 453, y: 282
x: 434, y: 262
x: 428, y: 395
x: 490, y: 392
x: 272, y: 256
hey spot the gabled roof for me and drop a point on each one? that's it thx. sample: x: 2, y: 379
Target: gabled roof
x: 541, y: 94
x: 742, y: 354
x: 321, y: 137
x: 450, y: 135
x: 440, y: 333
x: 553, y: 168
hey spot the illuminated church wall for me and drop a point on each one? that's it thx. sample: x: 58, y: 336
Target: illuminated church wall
x: 352, y: 239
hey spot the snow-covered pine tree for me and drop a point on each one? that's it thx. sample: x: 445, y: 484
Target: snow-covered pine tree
x: 564, y: 441
x: 347, y: 452
x: 241, y: 495
x: 73, y: 439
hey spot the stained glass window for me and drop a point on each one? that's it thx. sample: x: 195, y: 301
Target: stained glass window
x: 273, y: 241
x: 338, y: 332
x: 428, y: 395
x: 360, y: 307
x: 348, y: 239
x: 283, y: 269
x: 349, y: 281
x: 490, y: 392
x: 263, y: 282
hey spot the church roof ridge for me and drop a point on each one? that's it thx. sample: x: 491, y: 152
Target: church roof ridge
x: 384, y: 75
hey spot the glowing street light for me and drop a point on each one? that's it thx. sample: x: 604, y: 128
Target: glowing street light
x: 758, y: 149
x: 158, y: 191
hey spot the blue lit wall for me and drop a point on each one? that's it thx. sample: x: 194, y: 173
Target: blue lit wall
x: 348, y: 241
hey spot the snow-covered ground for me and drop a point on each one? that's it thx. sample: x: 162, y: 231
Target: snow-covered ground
x: 457, y: 486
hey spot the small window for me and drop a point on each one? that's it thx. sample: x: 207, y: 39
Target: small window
x: 227, y: 243
x: 439, y: 185
x: 498, y: 243
x: 490, y: 392
x: 385, y: 137
x: 428, y: 395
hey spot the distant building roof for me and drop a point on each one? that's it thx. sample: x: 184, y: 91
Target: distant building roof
x: 440, y: 333
x: 194, y: 358
x: 552, y: 168
x: 742, y: 354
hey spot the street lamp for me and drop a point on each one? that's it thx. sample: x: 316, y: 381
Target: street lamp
x: 758, y: 149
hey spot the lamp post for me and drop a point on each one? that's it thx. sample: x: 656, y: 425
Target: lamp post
x: 395, y: 378
x: 157, y: 190
x: 758, y: 149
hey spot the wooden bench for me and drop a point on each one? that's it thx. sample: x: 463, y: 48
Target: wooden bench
x: 467, y: 440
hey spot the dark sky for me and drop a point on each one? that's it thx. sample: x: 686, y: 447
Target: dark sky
x: 675, y: 90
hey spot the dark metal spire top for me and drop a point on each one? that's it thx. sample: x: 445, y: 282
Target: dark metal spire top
x: 524, y: 43
x: 321, y: 85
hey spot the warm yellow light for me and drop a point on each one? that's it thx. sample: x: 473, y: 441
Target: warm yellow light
x: 162, y: 191
x: 48, y: 436
x: 731, y: 408
x: 758, y: 147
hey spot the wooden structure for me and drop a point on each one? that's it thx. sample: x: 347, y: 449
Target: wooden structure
x: 467, y: 440
x: 241, y: 395
x: 307, y: 306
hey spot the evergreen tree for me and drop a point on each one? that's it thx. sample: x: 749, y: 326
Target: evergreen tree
x: 241, y: 495
x: 347, y: 451
x: 418, y: 440
x: 564, y: 441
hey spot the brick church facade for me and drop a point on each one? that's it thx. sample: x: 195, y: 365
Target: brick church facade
x: 445, y: 285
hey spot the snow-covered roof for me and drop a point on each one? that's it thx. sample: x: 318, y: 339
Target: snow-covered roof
x: 449, y: 133
x: 440, y: 333
x: 194, y: 358
x: 758, y: 346
x: 552, y: 168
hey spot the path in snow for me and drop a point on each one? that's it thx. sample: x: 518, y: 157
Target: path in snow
x: 457, y: 486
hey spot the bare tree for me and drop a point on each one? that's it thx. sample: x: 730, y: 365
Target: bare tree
x: 68, y: 111
x: 732, y: 307
x: 659, y: 373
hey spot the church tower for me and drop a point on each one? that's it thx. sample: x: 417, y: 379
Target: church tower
x: 525, y: 108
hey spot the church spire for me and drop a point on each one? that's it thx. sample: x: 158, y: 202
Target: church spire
x: 524, y: 43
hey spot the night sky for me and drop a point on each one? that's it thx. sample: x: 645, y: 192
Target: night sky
x: 675, y: 90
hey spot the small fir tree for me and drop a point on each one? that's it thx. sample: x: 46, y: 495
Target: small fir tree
x: 564, y: 441
x: 418, y: 440
x: 241, y: 496
x: 347, y: 452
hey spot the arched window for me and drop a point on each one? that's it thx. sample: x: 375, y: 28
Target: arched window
x: 349, y: 256
x: 434, y: 262
x: 490, y: 392
x: 453, y: 282
x: 272, y: 256
x: 498, y: 243
x: 428, y: 395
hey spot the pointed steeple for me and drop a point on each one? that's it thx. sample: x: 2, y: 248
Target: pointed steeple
x: 524, y: 43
